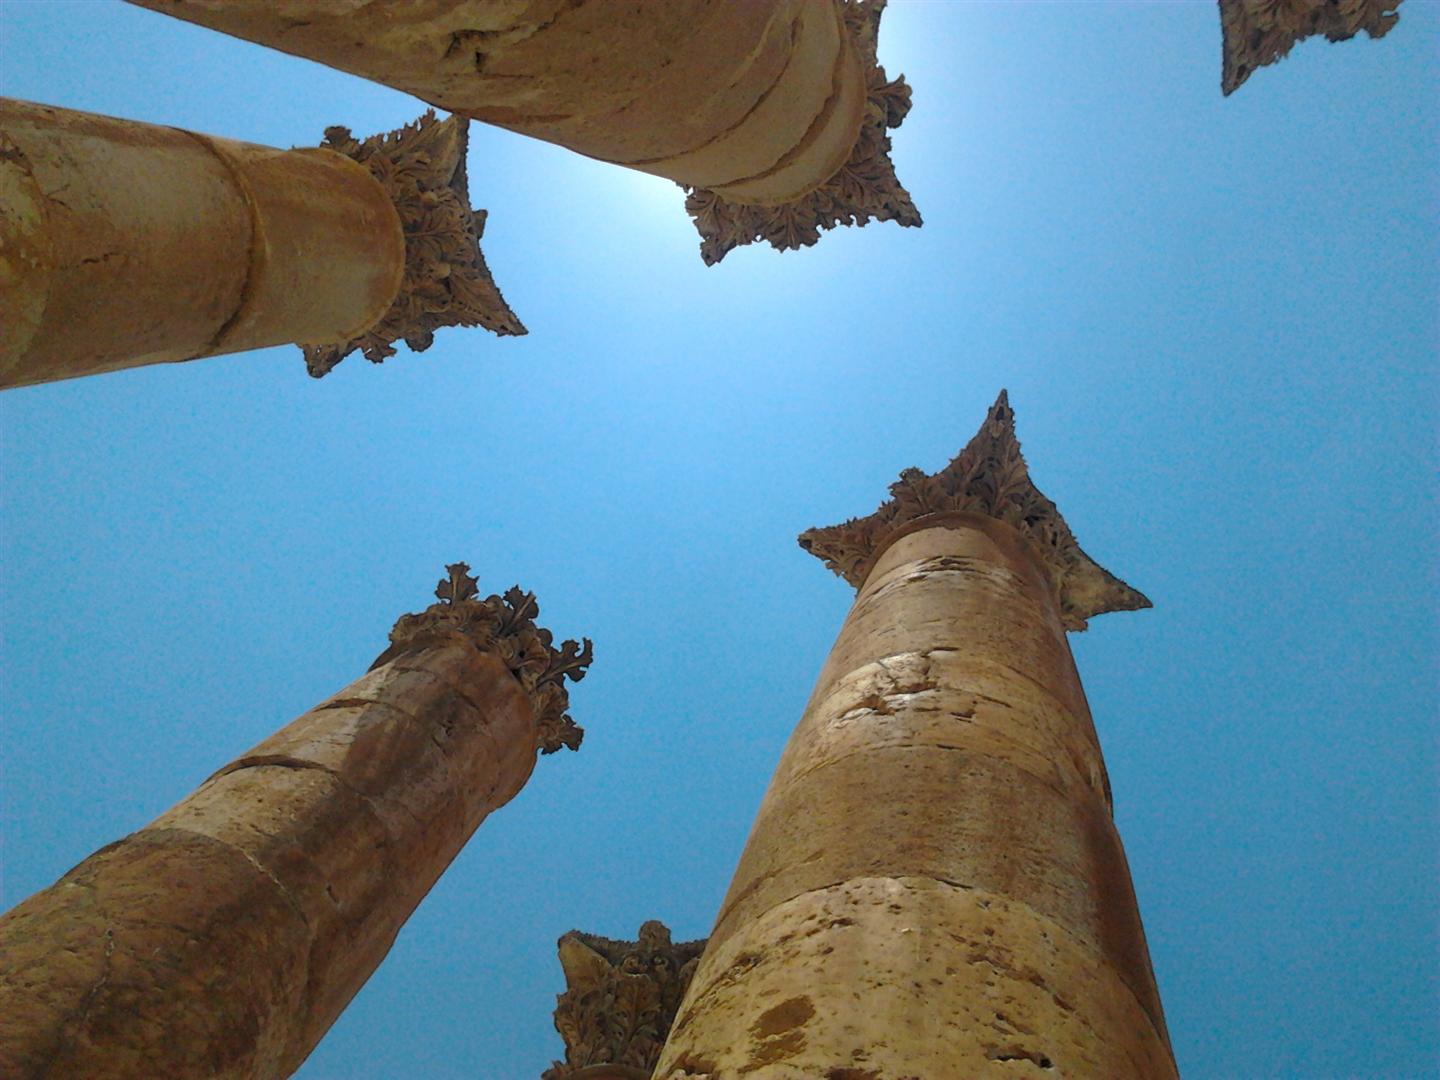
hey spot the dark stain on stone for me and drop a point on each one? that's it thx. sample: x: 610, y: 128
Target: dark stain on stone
x: 779, y: 1032
x: 769, y: 1051
x: 784, y: 1017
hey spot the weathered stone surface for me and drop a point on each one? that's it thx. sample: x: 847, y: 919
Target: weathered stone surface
x: 225, y: 938
x: 934, y: 886
x: 937, y: 980
x: 619, y: 1002
x: 135, y: 244
x: 1260, y: 32
x: 778, y: 105
x: 168, y: 245
x: 165, y: 950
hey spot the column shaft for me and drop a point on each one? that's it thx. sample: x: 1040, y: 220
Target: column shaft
x: 225, y: 938
x: 760, y: 102
x: 934, y: 886
x: 128, y: 244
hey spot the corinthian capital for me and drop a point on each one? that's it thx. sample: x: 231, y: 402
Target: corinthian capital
x: 1260, y: 32
x: 620, y: 1000
x: 422, y: 168
x: 988, y: 477
x: 504, y: 625
x: 864, y: 188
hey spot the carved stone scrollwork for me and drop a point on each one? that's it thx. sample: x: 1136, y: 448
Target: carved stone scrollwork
x: 620, y: 1001
x: 988, y: 477
x: 446, y: 283
x: 865, y: 187
x: 1260, y: 32
x: 506, y: 626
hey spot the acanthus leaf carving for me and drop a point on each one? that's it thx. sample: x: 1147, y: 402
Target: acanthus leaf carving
x: 1260, y: 32
x: 446, y: 281
x: 864, y: 188
x: 988, y: 477
x: 620, y: 999
x: 505, y: 625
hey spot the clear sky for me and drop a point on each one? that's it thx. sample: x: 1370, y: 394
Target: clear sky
x: 1217, y: 322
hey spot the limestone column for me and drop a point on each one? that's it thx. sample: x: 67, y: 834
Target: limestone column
x: 1260, y: 32
x: 773, y: 112
x: 934, y: 887
x: 223, y: 939
x: 124, y: 244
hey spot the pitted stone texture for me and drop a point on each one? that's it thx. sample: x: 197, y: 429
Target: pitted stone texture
x: 163, y: 245
x: 958, y: 595
x: 226, y: 937
x: 968, y: 819
x: 939, y: 981
x: 947, y: 743
x: 129, y: 963
x: 944, y: 699
x: 969, y: 585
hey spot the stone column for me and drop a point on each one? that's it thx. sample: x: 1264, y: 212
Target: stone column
x: 124, y: 244
x: 773, y: 112
x: 934, y: 886
x: 1260, y: 32
x: 223, y: 939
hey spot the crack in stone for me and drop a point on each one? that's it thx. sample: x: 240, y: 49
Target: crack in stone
x: 81, y: 1012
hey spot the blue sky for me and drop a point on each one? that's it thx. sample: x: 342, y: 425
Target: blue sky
x: 1217, y: 322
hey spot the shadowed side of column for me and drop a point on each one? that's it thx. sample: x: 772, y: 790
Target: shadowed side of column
x: 228, y: 935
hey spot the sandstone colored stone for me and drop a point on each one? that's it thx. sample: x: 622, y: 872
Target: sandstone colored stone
x: 934, y: 886
x: 127, y: 244
x: 893, y: 978
x: 779, y: 106
x: 566, y: 72
x: 226, y: 937
x: 144, y: 244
